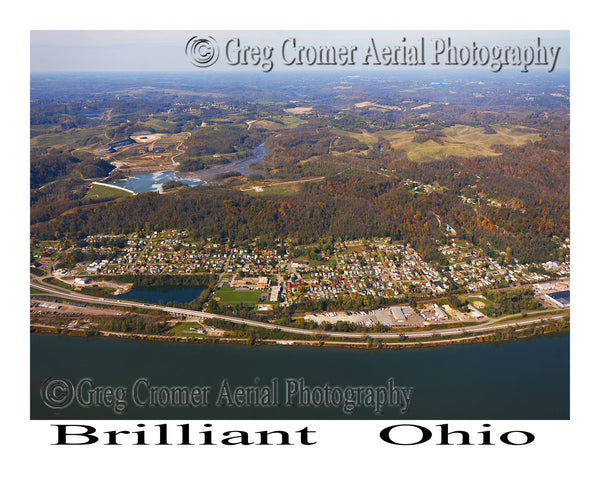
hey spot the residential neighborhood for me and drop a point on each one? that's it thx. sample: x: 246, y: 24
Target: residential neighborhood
x: 376, y: 267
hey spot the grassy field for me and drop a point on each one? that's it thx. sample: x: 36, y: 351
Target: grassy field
x: 530, y: 315
x: 366, y: 137
x: 290, y: 121
x: 316, y: 263
x: 185, y: 330
x: 100, y: 191
x: 460, y: 140
x: 228, y: 295
x: 290, y: 189
x: 505, y: 135
x: 76, y: 137
x: 158, y: 125
x: 37, y: 291
x: 268, y: 124
x: 483, y: 300
x: 37, y: 271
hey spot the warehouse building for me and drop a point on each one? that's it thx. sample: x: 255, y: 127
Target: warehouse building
x: 398, y: 314
x: 561, y: 299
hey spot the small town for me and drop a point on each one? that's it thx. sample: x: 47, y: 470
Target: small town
x: 273, y: 276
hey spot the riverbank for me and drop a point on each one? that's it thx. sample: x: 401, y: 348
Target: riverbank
x: 368, y: 343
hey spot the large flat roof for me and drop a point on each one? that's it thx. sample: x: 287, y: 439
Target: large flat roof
x: 563, y: 297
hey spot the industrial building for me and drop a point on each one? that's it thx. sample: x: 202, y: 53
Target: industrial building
x: 439, y: 312
x: 561, y: 299
x: 398, y: 314
x: 274, y: 294
x: 249, y: 282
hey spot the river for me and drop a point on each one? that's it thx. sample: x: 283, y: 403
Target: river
x: 241, y: 166
x: 524, y: 379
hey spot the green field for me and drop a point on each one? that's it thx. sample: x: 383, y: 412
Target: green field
x: 484, y: 300
x: 100, y: 191
x: 228, y: 295
x: 459, y: 140
x: 289, y: 120
x: 315, y: 263
x: 268, y: 124
x: 37, y: 271
x: 76, y: 137
x: 282, y: 189
x: 365, y: 137
x: 185, y: 330
x: 37, y: 291
x: 158, y: 126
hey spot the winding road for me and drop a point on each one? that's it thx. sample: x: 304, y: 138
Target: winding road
x: 181, y: 152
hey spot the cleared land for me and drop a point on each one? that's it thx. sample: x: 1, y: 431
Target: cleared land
x: 144, y: 156
x: 146, y: 138
x: 157, y: 125
x: 230, y: 295
x: 100, y: 191
x: 274, y: 190
x: 279, y: 188
x: 290, y: 121
x: 299, y: 110
x: 268, y: 125
x: 459, y: 140
x: 74, y: 138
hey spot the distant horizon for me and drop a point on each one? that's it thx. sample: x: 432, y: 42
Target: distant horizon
x: 305, y: 70
x: 165, y: 51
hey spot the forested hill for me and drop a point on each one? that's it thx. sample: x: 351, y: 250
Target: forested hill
x: 531, y: 183
x: 54, y: 165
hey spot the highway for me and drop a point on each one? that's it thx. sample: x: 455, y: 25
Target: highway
x: 70, y: 295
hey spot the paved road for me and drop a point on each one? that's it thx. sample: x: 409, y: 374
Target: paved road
x: 70, y: 295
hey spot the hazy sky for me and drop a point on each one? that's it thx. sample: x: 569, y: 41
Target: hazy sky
x: 138, y: 50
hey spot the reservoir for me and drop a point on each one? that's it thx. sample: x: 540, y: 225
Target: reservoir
x: 524, y: 379
x: 162, y: 295
x: 243, y: 166
x: 151, y: 181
